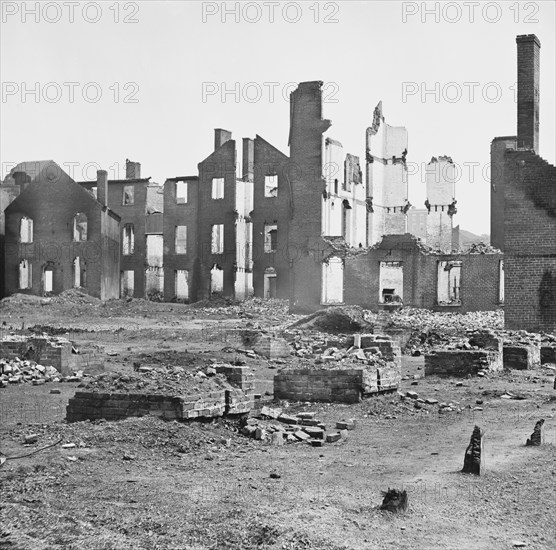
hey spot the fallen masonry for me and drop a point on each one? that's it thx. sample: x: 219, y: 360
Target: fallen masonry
x: 273, y: 426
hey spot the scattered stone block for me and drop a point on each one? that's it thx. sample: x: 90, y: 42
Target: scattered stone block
x: 316, y: 442
x: 394, y: 501
x: 332, y: 438
x: 314, y: 432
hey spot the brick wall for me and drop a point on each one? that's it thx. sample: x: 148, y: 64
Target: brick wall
x: 115, y: 406
x: 270, y: 210
x: 52, y: 205
x: 530, y: 243
x: 307, y: 185
x: 479, y: 287
x: 181, y: 214
x: 334, y: 385
x: 460, y: 363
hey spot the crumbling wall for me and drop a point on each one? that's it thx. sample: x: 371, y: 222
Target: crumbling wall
x: 176, y: 214
x: 530, y: 243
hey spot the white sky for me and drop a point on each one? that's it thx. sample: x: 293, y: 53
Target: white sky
x: 365, y: 56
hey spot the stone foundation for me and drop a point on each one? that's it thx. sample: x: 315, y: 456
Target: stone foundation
x: 45, y: 351
x: 115, y: 406
x: 334, y: 385
x: 460, y: 363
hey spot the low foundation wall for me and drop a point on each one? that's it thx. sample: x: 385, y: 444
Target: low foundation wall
x: 90, y: 360
x: 334, y: 385
x: 115, y: 406
x: 460, y: 363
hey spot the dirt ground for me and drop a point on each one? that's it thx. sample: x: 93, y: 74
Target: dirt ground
x: 148, y: 484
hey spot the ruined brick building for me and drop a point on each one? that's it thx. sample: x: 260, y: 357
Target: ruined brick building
x: 523, y: 205
x: 58, y: 236
x: 312, y: 225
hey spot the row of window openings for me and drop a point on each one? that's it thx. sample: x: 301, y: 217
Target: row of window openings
x: 79, y: 229
x: 79, y: 276
x: 270, y: 188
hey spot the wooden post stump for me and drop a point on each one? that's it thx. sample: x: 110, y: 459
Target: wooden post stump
x: 537, y: 436
x: 473, y: 453
x: 394, y: 500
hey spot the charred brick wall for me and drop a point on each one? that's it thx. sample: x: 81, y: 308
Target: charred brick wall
x: 307, y: 186
x: 271, y: 210
x: 479, y: 287
x: 220, y: 164
x: 181, y: 214
x: 530, y: 244
x: 52, y: 206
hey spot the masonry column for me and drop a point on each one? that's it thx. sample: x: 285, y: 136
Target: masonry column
x: 528, y: 76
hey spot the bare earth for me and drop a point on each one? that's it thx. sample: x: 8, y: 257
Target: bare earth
x: 149, y: 484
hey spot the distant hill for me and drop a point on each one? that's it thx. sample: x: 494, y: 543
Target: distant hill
x: 467, y: 238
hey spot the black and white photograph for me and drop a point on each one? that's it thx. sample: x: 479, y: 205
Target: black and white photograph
x: 277, y: 275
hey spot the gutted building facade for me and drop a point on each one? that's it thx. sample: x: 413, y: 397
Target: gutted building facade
x: 58, y: 236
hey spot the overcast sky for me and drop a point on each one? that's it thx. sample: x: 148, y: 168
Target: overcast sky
x: 139, y: 70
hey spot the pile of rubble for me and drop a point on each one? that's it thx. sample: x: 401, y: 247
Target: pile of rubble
x: 168, y: 381
x: 17, y: 371
x: 278, y: 428
x: 337, y: 319
x: 312, y: 344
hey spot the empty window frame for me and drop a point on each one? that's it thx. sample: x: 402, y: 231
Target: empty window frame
x: 128, y: 240
x: 333, y: 281
x: 180, y: 244
x: 217, y: 188
x: 216, y: 280
x: 127, y: 283
x: 269, y: 283
x: 26, y: 230
x: 181, y: 192
x: 217, y: 242
x: 128, y: 195
x: 390, y: 282
x: 25, y: 275
x: 270, y: 238
x: 182, y: 284
x: 79, y: 227
x: 271, y: 186
x: 48, y: 280
x: 449, y: 279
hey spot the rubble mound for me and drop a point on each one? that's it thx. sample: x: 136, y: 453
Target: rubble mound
x: 335, y: 320
x: 74, y: 296
x: 172, y: 381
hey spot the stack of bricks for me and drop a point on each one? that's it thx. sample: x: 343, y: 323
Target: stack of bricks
x: 115, y: 406
x: 89, y: 360
x: 272, y: 347
x: 389, y: 349
x: 240, y: 377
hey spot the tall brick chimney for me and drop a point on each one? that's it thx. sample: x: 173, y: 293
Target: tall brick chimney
x: 132, y: 170
x: 248, y: 164
x: 102, y: 187
x: 220, y: 137
x: 528, y: 73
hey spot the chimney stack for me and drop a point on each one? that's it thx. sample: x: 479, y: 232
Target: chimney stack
x: 528, y: 76
x: 102, y: 187
x: 220, y: 137
x: 248, y: 164
x: 132, y: 170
